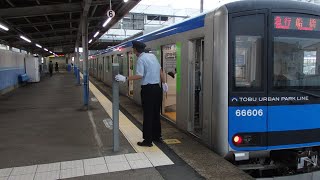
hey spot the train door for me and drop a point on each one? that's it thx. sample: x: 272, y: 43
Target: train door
x: 196, y: 124
x: 99, y: 69
x: 131, y: 73
x: 169, y: 66
x: 121, y: 63
x: 91, y: 67
x: 95, y: 68
x: 248, y: 101
x: 89, y: 62
x: 102, y: 69
x: 105, y: 69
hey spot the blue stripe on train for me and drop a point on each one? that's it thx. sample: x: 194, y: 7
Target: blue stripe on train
x: 274, y: 119
x: 294, y: 117
x: 9, y: 77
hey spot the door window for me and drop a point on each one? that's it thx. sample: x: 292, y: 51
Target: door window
x: 247, y: 58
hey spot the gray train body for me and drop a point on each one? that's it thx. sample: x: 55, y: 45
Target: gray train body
x: 205, y: 48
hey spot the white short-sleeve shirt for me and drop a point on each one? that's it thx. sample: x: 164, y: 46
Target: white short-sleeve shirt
x: 149, y: 68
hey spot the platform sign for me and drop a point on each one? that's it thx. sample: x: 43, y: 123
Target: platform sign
x: 172, y: 141
x: 111, y: 13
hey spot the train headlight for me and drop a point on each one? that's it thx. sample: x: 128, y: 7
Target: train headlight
x: 237, y: 140
x: 249, y: 139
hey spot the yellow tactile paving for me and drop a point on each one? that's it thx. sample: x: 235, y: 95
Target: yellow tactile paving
x: 128, y: 129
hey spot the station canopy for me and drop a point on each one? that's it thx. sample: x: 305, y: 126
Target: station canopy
x: 55, y: 25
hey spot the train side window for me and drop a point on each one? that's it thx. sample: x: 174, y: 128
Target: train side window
x: 120, y: 61
x: 106, y: 65
x: 248, y: 34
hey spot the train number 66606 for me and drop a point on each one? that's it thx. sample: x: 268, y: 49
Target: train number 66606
x: 249, y: 112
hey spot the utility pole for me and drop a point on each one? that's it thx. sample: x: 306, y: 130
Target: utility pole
x: 201, y: 6
x: 85, y: 60
x: 115, y: 106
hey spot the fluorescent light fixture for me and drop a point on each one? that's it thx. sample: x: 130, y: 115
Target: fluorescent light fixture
x: 39, y: 46
x: 26, y: 39
x: 106, y: 22
x: 125, y: 1
x: 96, y: 34
x: 46, y: 49
x: 90, y: 41
x: 4, y: 27
x: 50, y: 52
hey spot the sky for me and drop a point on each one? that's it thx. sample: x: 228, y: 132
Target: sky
x: 182, y: 4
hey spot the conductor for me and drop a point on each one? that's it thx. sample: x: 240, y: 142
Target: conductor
x: 149, y: 71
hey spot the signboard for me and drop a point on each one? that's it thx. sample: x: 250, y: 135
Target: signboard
x: 111, y: 13
x: 169, y: 57
x: 297, y: 23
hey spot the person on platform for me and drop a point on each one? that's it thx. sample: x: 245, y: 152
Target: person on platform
x: 56, y: 67
x: 50, y: 68
x: 149, y: 71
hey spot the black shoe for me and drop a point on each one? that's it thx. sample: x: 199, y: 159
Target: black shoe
x: 144, y: 143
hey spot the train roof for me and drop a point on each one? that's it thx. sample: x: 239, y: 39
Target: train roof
x: 187, y: 25
x: 233, y: 7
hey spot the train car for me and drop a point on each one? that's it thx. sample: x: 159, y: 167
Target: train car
x: 243, y: 78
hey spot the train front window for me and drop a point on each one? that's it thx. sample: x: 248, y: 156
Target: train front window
x: 296, y: 52
x: 248, y: 73
x: 248, y: 62
x: 296, y: 63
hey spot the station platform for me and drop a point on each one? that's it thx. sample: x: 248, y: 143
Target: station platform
x: 46, y: 133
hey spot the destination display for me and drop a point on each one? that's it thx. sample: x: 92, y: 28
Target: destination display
x: 296, y: 23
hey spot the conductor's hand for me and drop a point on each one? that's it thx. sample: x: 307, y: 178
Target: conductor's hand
x: 165, y: 87
x: 120, y: 78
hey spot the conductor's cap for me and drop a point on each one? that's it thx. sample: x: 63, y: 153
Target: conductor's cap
x: 138, y: 45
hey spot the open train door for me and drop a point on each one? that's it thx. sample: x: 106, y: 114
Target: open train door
x: 131, y: 73
x: 196, y: 98
x: 169, y: 61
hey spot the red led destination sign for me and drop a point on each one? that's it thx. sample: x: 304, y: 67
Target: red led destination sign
x: 296, y: 23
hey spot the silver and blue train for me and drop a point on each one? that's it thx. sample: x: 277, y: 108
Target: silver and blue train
x: 244, y: 79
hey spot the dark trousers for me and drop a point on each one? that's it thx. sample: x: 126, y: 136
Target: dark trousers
x: 151, y: 96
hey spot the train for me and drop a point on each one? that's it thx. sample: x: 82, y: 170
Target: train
x: 243, y: 78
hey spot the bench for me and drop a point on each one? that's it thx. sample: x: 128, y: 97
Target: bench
x: 23, y: 78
